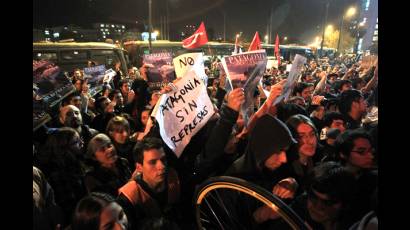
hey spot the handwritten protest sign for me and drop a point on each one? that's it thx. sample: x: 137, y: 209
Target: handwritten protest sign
x: 183, y: 112
x: 161, y: 72
x: 295, y: 70
x: 245, y: 71
x: 190, y: 61
x: 49, y: 83
x: 95, y: 77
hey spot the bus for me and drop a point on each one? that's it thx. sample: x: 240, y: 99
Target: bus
x: 136, y: 49
x: 288, y: 52
x: 71, y: 55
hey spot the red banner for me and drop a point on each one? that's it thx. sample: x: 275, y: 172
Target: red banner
x: 196, y: 40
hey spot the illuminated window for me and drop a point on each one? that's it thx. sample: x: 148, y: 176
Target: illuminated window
x: 101, y: 25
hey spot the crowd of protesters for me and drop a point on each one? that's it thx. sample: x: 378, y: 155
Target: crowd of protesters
x: 101, y: 163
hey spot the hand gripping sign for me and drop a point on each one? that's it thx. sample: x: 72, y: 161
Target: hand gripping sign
x: 182, y: 112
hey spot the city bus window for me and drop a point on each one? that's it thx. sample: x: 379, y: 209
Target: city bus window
x: 74, y: 55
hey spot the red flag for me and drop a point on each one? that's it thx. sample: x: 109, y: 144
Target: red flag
x: 196, y: 40
x: 277, y: 53
x: 256, y: 43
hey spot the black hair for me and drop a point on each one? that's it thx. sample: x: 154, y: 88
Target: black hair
x: 347, y: 98
x: 331, y: 116
x: 333, y: 179
x: 113, y: 93
x: 146, y: 144
x: 300, y: 86
x: 345, y: 142
x: 284, y: 111
x: 98, y: 104
x: 88, y: 210
x: 294, y: 121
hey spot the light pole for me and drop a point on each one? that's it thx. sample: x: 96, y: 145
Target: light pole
x: 350, y: 12
x: 323, y: 28
x: 149, y: 24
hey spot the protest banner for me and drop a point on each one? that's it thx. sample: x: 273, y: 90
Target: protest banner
x: 49, y: 83
x: 181, y: 113
x: 109, y: 75
x: 245, y: 71
x: 161, y: 71
x: 95, y: 78
x: 293, y: 76
x: 190, y: 61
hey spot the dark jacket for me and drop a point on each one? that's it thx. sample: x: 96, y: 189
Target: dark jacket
x: 141, y: 203
x: 269, y: 136
x: 101, y: 179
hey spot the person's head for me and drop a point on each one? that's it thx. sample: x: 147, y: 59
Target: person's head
x: 99, y: 211
x: 343, y: 85
x: 358, y: 83
x: 73, y: 99
x: 78, y: 74
x: 118, y: 128
x: 298, y: 101
x: 305, y: 132
x: 101, y: 150
x: 151, y: 161
x: 101, y: 105
x: 334, y: 120
x: 356, y: 149
x: 285, y: 111
x: 304, y: 90
x: 106, y: 89
x: 269, y: 141
x: 78, y: 84
x: 307, y: 77
x: 154, y: 98
x: 85, y: 87
x: 352, y: 102
x: 145, y: 116
x: 330, y: 192
x: 117, y: 96
x: 62, y: 140
x: 331, y: 78
x: 124, y: 87
x: 70, y: 116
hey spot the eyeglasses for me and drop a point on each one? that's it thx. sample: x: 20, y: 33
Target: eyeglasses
x: 315, y: 198
x: 363, y: 151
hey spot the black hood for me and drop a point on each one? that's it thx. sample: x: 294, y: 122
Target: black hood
x: 270, y: 135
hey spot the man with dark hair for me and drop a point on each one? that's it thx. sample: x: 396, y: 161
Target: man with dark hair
x: 342, y: 85
x: 154, y: 188
x: 304, y: 90
x: 353, y: 106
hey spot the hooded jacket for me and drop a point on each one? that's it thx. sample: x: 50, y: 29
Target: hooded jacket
x: 269, y: 136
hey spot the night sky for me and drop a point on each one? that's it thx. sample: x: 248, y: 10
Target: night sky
x: 299, y: 19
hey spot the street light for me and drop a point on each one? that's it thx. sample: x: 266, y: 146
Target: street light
x: 349, y: 13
